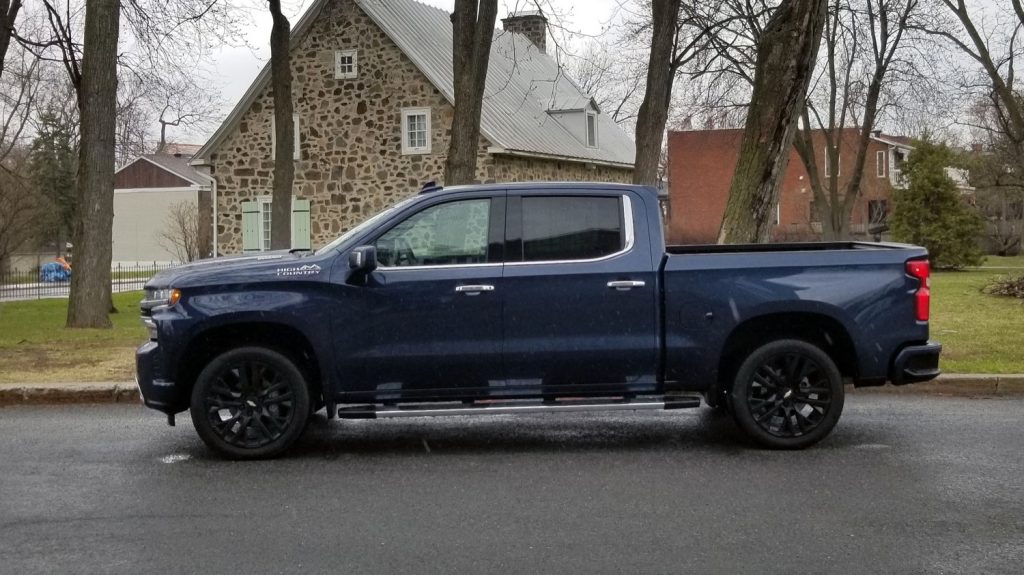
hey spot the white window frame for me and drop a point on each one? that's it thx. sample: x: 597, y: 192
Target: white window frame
x: 828, y: 163
x: 266, y: 206
x: 296, y: 135
x: 880, y: 163
x: 406, y: 114
x: 586, y: 129
x: 338, y: 56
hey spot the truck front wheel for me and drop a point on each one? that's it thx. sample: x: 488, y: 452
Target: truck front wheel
x: 788, y: 394
x: 250, y: 403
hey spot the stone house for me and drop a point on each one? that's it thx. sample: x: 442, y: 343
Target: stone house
x: 372, y: 87
x: 700, y: 170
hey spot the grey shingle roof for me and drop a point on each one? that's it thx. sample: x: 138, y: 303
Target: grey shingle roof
x: 180, y: 167
x: 523, y: 85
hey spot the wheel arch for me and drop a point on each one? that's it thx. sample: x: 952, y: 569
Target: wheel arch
x: 819, y: 329
x: 213, y: 340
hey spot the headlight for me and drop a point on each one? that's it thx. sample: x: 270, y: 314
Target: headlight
x: 160, y: 296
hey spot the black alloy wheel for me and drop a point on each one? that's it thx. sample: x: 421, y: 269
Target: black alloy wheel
x: 788, y: 394
x: 250, y: 403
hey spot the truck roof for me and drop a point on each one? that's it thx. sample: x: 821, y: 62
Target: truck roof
x: 430, y: 188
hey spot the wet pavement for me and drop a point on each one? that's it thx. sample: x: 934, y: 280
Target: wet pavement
x: 906, y: 484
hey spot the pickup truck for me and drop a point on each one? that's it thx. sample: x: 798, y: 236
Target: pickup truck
x: 523, y: 298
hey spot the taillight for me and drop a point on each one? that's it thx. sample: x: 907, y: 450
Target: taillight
x: 922, y: 271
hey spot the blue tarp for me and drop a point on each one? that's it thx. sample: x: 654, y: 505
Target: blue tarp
x: 54, y: 272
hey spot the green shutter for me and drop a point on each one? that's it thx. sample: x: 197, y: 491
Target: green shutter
x: 252, y: 238
x: 300, y: 224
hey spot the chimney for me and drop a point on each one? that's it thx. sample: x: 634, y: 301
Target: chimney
x: 533, y: 25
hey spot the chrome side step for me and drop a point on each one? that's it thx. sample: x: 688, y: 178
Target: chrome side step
x: 509, y: 407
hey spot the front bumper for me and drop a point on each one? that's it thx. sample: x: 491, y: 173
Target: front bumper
x: 157, y: 393
x: 916, y: 363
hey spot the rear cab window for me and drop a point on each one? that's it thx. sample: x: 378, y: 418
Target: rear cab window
x: 567, y: 228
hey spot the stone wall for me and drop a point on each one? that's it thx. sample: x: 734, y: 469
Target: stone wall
x: 351, y: 164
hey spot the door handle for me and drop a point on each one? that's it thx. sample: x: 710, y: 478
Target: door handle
x: 623, y: 285
x: 473, y: 289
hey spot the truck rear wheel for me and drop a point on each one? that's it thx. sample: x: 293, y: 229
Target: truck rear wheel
x: 250, y: 403
x: 788, y: 394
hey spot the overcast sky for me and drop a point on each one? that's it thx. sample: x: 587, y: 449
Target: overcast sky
x: 234, y: 68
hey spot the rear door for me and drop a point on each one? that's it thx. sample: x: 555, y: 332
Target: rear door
x: 580, y: 308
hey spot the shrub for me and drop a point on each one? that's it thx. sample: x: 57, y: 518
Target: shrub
x: 1011, y: 286
x: 930, y: 212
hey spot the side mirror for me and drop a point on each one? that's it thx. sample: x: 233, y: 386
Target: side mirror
x: 363, y: 259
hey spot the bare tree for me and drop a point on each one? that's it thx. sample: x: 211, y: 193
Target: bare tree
x: 284, y: 129
x: 183, y: 232
x: 89, y: 302
x: 653, y: 113
x: 996, y: 51
x: 785, y: 60
x: 16, y: 206
x: 8, y: 14
x: 868, y: 36
x: 472, y: 31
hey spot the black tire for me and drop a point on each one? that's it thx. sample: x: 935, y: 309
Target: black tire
x: 787, y: 394
x: 250, y: 403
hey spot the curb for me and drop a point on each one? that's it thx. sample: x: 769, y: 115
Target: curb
x: 59, y: 393
x: 959, y: 385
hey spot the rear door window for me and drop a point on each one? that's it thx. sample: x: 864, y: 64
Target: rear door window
x: 558, y: 228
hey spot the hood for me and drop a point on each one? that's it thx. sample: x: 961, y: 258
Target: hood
x: 247, y: 268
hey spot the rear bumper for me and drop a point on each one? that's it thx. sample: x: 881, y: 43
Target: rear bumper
x: 916, y: 363
x: 157, y: 393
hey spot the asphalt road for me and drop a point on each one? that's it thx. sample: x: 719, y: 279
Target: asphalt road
x: 906, y: 484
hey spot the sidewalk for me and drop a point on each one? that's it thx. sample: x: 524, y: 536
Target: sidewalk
x: 958, y: 385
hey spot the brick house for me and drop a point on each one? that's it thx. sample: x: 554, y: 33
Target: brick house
x: 372, y: 87
x: 700, y: 169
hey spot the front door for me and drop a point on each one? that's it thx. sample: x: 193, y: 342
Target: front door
x: 580, y: 295
x: 428, y: 319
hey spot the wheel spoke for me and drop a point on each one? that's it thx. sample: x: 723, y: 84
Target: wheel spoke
x: 287, y: 396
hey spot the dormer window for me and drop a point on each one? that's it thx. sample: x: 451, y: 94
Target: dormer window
x: 346, y: 65
x: 591, y: 130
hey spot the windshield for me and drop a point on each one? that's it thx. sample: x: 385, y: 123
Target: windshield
x: 341, y: 241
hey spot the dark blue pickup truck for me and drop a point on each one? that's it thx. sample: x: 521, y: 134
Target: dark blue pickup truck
x: 518, y: 298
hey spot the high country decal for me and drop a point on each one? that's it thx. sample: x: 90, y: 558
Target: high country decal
x: 306, y: 270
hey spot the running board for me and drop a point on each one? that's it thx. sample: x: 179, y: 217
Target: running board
x: 508, y: 407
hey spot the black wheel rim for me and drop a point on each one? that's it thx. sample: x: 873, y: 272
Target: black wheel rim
x: 789, y: 395
x: 250, y: 404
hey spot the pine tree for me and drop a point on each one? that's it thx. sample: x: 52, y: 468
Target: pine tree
x: 52, y: 169
x: 930, y: 211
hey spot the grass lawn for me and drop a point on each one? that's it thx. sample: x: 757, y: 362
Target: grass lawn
x: 979, y: 333
x: 35, y: 346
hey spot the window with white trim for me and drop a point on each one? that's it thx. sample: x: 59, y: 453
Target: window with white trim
x: 415, y: 131
x: 828, y: 163
x: 591, y: 130
x: 295, y: 136
x: 346, y: 64
x: 880, y: 162
x: 266, y: 205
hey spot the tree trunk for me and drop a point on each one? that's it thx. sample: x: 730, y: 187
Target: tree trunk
x: 90, y: 299
x: 284, y: 130
x: 653, y: 112
x: 472, y: 31
x: 8, y: 14
x: 785, y: 61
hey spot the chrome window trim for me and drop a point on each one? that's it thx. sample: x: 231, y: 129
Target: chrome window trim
x: 627, y: 217
x: 440, y: 267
